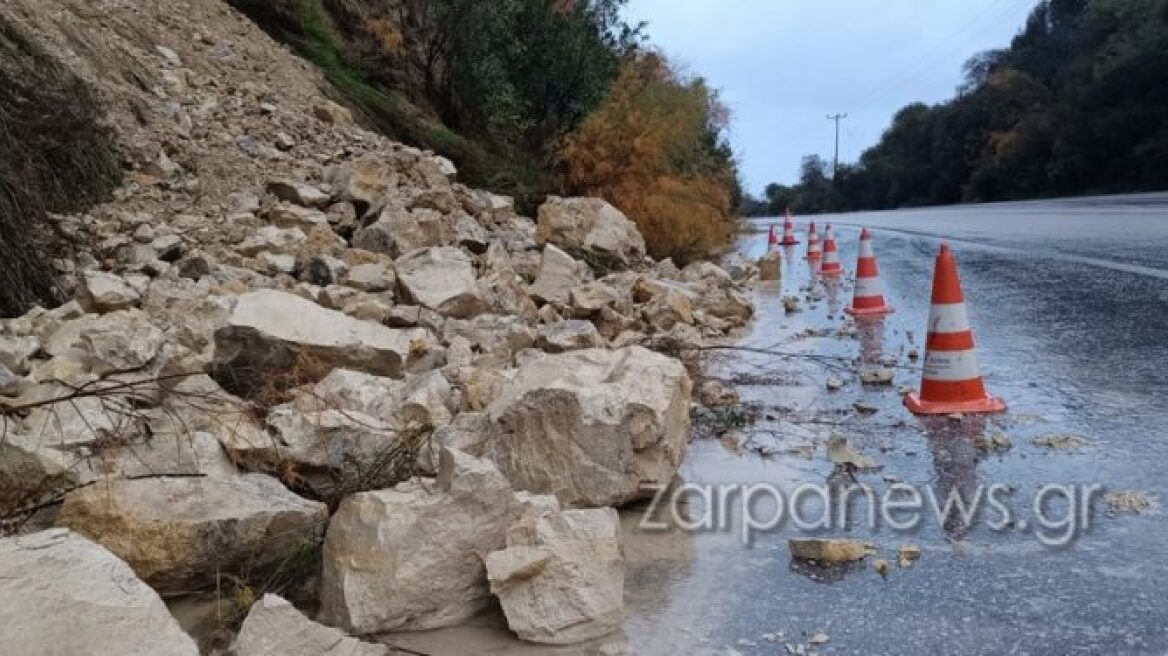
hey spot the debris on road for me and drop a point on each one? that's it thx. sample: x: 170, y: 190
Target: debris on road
x: 1061, y: 442
x: 1127, y: 502
x: 996, y: 442
x: 881, y: 567
x: 834, y: 384
x: 829, y: 550
x: 840, y: 453
x: 908, y: 554
x: 877, y: 376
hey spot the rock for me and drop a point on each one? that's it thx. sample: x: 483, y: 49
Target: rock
x: 66, y: 595
x: 833, y: 383
x: 908, y: 554
x: 561, y: 578
x: 12, y: 384
x: 271, y: 239
x: 16, y: 352
x: 1060, y: 442
x: 469, y: 234
x: 107, y: 292
x: 881, y: 566
x: 791, y: 304
x: 301, y: 194
x: 372, y: 277
x: 828, y: 550
x: 167, y: 248
x: 503, y: 294
x: 740, y: 268
x: 324, y: 270
x: 366, y: 182
x: 492, y: 333
x: 274, y: 627
x: 441, y: 279
x: 287, y: 215
x: 877, y: 376
x: 667, y: 309
x: 330, y: 112
x: 559, y: 274
x: 411, y: 557
x: 707, y: 273
x: 840, y: 453
x: 714, y: 394
x: 592, y: 427
x: 568, y: 335
x: 179, y: 533
x: 725, y: 304
x: 398, y: 231
x: 272, y: 331
x: 591, y: 225
x: 119, y: 341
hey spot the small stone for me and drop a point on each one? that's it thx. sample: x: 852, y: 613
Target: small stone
x: 908, y: 554
x: 881, y: 567
x: 834, y: 384
x: 828, y: 550
x: 877, y: 376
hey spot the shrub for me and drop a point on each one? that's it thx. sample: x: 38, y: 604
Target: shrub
x: 54, y: 157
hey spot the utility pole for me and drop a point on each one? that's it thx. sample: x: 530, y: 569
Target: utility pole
x: 835, y: 166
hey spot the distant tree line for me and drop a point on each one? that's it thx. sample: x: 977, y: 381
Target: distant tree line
x: 1077, y: 104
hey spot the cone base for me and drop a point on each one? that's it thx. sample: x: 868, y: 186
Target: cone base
x: 790, y: 243
x: 831, y: 273
x: 919, y: 406
x: 869, y: 312
x: 815, y: 257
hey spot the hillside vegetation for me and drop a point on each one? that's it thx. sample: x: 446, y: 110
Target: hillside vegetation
x: 529, y: 97
x: 1077, y: 104
x: 54, y: 157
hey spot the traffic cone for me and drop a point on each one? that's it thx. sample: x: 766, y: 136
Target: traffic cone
x: 814, y: 251
x: 831, y: 263
x: 951, y: 380
x: 868, y: 298
x: 789, y: 231
x: 772, y: 240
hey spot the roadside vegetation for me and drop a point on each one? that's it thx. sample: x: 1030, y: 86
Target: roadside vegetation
x: 528, y: 98
x: 1078, y: 104
x: 54, y: 157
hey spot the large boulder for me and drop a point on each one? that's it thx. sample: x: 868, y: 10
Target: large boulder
x: 592, y: 427
x: 271, y: 331
x: 350, y: 432
x: 275, y: 628
x: 178, y: 534
x: 441, y: 279
x: 63, y: 594
x: 411, y: 557
x: 591, y: 226
x: 561, y: 578
x: 64, y: 445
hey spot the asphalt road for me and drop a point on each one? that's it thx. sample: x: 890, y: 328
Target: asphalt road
x: 1069, y: 304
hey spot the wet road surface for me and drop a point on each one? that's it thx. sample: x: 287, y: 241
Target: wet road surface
x: 1068, y: 304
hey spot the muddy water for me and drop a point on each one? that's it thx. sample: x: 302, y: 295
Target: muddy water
x: 1076, y: 349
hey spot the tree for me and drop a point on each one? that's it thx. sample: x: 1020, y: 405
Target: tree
x: 656, y: 149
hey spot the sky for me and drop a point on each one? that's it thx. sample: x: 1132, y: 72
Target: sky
x: 783, y: 65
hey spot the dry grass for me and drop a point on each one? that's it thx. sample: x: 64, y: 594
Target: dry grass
x: 54, y: 157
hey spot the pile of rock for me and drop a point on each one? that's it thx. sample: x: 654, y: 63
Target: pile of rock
x: 293, y: 336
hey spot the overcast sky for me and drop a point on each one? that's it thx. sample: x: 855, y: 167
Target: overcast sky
x: 783, y: 65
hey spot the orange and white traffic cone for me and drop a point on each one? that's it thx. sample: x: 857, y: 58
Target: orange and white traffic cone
x: 831, y: 264
x: 789, y: 231
x: 951, y: 381
x: 772, y: 240
x: 814, y: 251
x: 868, y: 299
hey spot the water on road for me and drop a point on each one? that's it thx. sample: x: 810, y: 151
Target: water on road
x: 1068, y: 303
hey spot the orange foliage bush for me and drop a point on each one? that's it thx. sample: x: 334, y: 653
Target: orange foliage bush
x: 654, y: 150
